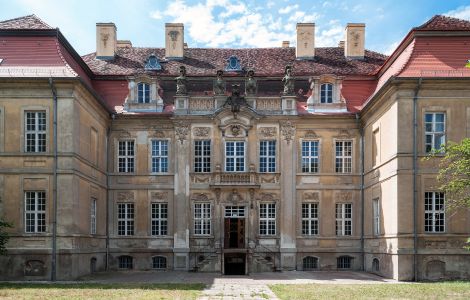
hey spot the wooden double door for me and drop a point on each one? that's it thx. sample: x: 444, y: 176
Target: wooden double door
x: 234, y: 229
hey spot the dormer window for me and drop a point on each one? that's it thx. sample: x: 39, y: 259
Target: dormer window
x: 152, y: 63
x: 143, y: 93
x: 326, y: 93
x: 233, y: 64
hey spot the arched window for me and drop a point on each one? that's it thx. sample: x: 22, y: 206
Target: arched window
x: 343, y: 262
x: 143, y: 93
x: 159, y: 262
x: 326, y: 93
x: 375, y: 265
x: 93, y: 265
x: 125, y: 262
x: 309, y: 263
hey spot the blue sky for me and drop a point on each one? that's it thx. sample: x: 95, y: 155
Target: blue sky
x: 226, y: 23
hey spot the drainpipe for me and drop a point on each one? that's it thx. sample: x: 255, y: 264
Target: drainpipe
x: 415, y: 186
x: 54, y: 183
x: 361, y: 133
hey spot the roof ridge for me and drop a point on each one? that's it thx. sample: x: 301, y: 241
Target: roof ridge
x: 443, y: 22
x: 17, y: 18
x: 25, y: 22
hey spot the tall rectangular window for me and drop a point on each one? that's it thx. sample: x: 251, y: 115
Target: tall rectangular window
x: 35, y: 212
x: 159, y: 156
x: 202, y: 218
x: 343, y: 219
x: 435, y: 125
x: 343, y: 156
x: 126, y: 156
x: 93, y: 216
x: 376, y: 216
x: 309, y: 218
x: 143, y: 93
x: 202, y: 156
x: 125, y: 218
x: 375, y: 147
x: 434, y: 212
x: 35, y: 131
x: 310, y: 156
x: 267, y: 156
x: 235, y: 156
x: 267, y: 219
x: 94, y: 152
x: 159, y: 218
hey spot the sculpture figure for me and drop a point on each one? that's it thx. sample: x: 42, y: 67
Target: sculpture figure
x: 181, y: 82
x: 288, y: 81
x: 219, y: 84
x: 250, y: 83
x: 235, y: 100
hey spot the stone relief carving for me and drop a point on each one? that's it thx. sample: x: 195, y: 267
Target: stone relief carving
x: 268, y: 131
x: 344, y: 133
x: 201, y: 179
x: 181, y: 130
x: 219, y: 84
x: 269, y: 178
x: 124, y: 134
x: 310, y: 134
x: 181, y: 82
x: 105, y: 38
x: 125, y: 196
x: 34, y: 268
x: 217, y: 195
x: 157, y: 134
x: 234, y: 197
x: 235, y: 101
x: 202, y: 131
x: 268, y: 197
x: 288, y: 81
x: 268, y: 104
x: 288, y: 131
x: 201, y: 104
x: 173, y: 37
x: 235, y: 130
x: 200, y: 197
x: 343, y: 196
x: 159, y: 195
x: 311, y: 196
x: 250, y: 83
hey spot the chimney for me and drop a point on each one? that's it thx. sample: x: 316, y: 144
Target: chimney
x: 185, y: 45
x: 305, y: 41
x: 124, y: 44
x: 355, y: 40
x: 341, y: 44
x: 106, y: 40
x: 174, y: 41
x: 285, y: 44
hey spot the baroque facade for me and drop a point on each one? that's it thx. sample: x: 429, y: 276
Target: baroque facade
x: 230, y: 160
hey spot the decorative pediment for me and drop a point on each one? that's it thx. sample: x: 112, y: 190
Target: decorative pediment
x: 199, y: 197
x: 344, y: 134
x: 344, y: 196
x: 124, y: 134
x: 268, y: 197
x: 159, y: 195
x: 315, y: 196
x: 125, y: 196
x: 157, y: 134
x: 268, y: 132
x: 202, y: 131
x: 310, y: 134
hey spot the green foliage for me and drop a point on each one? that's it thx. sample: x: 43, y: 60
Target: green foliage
x: 4, y: 236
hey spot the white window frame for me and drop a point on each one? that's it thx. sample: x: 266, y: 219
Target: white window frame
x: 202, y: 156
x: 93, y: 216
x: 267, y: 156
x: 239, y: 160
x: 159, y: 218
x: 432, y: 133
x: 159, y: 156
x: 434, y: 211
x: 310, y: 222
x: 202, y: 218
x: 324, y: 97
x: 144, y: 96
x: 344, y: 224
x: 127, y: 157
x: 38, y: 133
x: 35, y: 212
x: 309, y: 157
x: 343, y: 161
x: 267, y: 219
x: 376, y: 216
x: 125, y: 218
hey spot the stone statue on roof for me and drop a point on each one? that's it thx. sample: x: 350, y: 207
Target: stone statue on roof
x: 219, y: 84
x: 250, y: 83
x: 181, y: 82
x: 288, y: 81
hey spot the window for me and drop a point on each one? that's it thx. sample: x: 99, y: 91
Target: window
x: 94, y: 152
x: 202, y: 218
x: 143, y: 93
x: 376, y: 216
x: 126, y: 156
x: 159, y: 156
x: 309, y: 263
x: 235, y: 156
x: 343, y: 156
x: 309, y: 218
x: 343, y: 262
x: 235, y: 211
x: 159, y: 262
x: 326, y: 93
x: 125, y: 218
x: 159, y: 218
x: 375, y: 147
x: 267, y: 156
x: 310, y: 156
x: 35, y: 212
x: 125, y: 262
x: 267, y: 219
x: 202, y: 156
x: 375, y: 265
x: 435, y: 130
x: 343, y: 218
x: 434, y: 212
x: 35, y: 131
x: 93, y: 216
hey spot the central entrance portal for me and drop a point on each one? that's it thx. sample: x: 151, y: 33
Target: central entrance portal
x: 234, y: 238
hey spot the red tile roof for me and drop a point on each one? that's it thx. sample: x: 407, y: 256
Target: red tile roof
x: 439, y: 22
x: 265, y: 62
x: 26, y: 22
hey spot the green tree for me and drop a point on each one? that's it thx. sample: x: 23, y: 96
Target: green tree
x: 4, y: 236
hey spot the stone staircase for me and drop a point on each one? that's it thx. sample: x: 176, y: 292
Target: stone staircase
x: 203, y: 264
x: 261, y: 262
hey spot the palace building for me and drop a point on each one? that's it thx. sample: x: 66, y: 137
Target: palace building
x: 231, y: 160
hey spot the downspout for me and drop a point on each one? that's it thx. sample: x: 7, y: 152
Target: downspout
x: 415, y: 186
x: 54, y: 183
x: 361, y: 133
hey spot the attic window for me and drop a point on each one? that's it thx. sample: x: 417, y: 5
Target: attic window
x: 233, y: 64
x: 152, y: 63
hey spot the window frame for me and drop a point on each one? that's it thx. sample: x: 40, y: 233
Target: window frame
x: 163, y: 167
x: 93, y: 212
x: 433, y: 211
x: 328, y: 94
x: 270, y: 163
x: 36, y: 213
x: 204, y: 228
x: 235, y: 157
x: 205, y: 163
x: 315, y: 262
x: 145, y: 95
x: 376, y: 214
x: 433, y: 133
x: 270, y: 227
x: 309, y: 157
x: 344, y: 262
x: 36, y: 131
x: 310, y: 219
x: 159, y: 267
x: 343, y: 158
x: 127, y: 158
x: 343, y: 219
x: 127, y: 221
x: 157, y: 221
x: 128, y: 266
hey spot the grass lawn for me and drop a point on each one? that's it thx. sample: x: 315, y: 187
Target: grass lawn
x: 438, y: 290
x: 99, y: 291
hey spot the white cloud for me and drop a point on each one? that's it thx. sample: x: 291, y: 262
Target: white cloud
x: 329, y: 37
x: 463, y: 12
x: 389, y: 50
x: 288, y: 9
x: 156, y: 15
